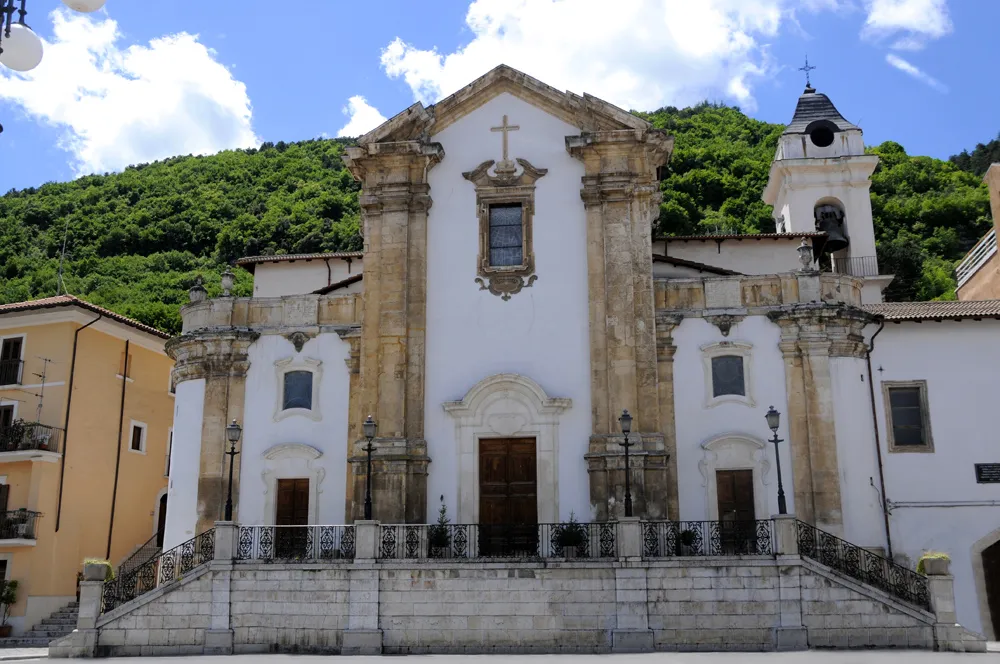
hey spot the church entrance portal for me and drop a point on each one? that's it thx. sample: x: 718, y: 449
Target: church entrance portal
x: 292, y: 510
x: 508, y: 496
x: 991, y: 572
x: 738, y: 529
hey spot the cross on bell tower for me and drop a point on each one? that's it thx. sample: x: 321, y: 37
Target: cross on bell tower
x: 807, y: 68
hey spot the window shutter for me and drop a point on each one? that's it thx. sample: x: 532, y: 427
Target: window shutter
x: 4, y: 496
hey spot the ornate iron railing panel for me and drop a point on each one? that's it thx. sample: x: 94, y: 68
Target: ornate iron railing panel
x: 279, y: 544
x: 863, y: 565
x: 665, y: 539
x: 497, y: 541
x: 18, y: 524
x: 163, y: 568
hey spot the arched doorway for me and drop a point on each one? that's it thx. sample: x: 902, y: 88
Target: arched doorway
x: 161, y: 523
x: 991, y: 579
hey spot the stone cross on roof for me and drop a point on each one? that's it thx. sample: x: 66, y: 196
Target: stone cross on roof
x: 505, y: 162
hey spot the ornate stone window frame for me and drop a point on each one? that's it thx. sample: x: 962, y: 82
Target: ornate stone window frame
x: 507, y: 406
x: 735, y: 451
x: 925, y: 414
x: 506, y: 186
x: 720, y: 349
x: 291, y: 461
x: 315, y: 367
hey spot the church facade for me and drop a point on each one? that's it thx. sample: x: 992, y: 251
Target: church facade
x: 512, y: 301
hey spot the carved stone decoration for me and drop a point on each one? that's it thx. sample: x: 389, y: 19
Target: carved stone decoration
x: 298, y: 340
x: 505, y: 185
x: 197, y: 293
x: 724, y: 322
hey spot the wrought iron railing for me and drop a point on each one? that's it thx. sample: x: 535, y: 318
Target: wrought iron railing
x: 863, y: 565
x: 664, y: 539
x: 10, y: 372
x: 857, y: 266
x: 29, y: 436
x: 141, y: 556
x: 164, y: 568
x: 485, y: 541
x: 18, y: 524
x: 976, y: 258
x: 295, y: 543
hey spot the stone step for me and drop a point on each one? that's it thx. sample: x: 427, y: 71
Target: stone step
x: 44, y: 634
x: 20, y: 642
x: 71, y: 620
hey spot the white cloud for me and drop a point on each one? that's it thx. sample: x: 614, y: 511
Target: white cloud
x: 363, y: 117
x: 121, y: 106
x: 922, y: 76
x: 913, y: 22
x: 642, y: 55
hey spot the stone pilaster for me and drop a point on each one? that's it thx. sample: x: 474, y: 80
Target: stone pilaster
x: 219, y: 357
x: 394, y: 201
x: 621, y: 194
x: 665, y: 349
x: 355, y: 416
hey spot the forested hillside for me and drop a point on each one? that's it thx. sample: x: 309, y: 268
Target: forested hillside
x: 137, y: 240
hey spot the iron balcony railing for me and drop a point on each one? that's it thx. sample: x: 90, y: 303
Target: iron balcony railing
x: 976, y: 258
x: 857, y: 266
x: 666, y: 539
x: 20, y: 436
x: 486, y: 541
x: 10, y: 372
x: 863, y: 565
x: 163, y: 568
x: 279, y: 544
x: 18, y: 524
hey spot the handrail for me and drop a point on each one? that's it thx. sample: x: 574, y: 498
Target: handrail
x: 664, y: 539
x: 975, y: 259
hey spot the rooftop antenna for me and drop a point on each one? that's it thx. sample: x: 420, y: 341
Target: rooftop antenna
x: 62, y: 256
x: 807, y: 68
x: 41, y: 392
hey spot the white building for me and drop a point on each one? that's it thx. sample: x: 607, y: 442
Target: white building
x: 511, y: 301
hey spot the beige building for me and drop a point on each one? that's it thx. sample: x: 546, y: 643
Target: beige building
x: 979, y: 272
x: 85, y: 424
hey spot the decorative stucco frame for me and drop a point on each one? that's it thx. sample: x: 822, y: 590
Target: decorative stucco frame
x: 720, y: 349
x: 315, y: 367
x: 735, y: 451
x: 925, y: 417
x: 507, y: 406
x: 291, y: 461
x: 506, y: 186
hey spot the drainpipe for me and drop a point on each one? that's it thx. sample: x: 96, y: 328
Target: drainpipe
x: 69, y: 400
x: 878, y: 444
x: 118, y: 460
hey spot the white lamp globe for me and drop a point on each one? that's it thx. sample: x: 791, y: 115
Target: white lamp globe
x: 22, y: 50
x: 85, y: 6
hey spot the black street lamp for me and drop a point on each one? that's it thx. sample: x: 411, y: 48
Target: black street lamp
x: 233, y: 433
x: 626, y: 421
x: 370, y: 428
x: 773, y: 418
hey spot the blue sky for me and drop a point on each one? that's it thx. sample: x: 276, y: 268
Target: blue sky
x: 142, y: 80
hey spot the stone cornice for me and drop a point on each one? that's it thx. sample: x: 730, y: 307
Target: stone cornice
x: 207, y: 354
x: 309, y: 313
x: 371, y: 162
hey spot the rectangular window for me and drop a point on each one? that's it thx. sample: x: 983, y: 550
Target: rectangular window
x: 123, y: 369
x: 727, y: 375
x: 909, y: 422
x: 506, y: 235
x: 137, y: 441
x: 298, y: 390
x: 10, y: 361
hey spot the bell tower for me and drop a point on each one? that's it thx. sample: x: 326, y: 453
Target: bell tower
x: 819, y: 182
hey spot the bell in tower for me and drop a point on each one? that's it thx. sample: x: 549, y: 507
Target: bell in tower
x: 830, y: 220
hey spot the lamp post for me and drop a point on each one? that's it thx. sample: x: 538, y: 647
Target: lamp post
x: 626, y: 422
x: 370, y: 428
x: 22, y: 50
x: 773, y: 418
x: 233, y: 433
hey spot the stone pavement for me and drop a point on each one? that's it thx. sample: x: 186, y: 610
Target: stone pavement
x: 15, y: 654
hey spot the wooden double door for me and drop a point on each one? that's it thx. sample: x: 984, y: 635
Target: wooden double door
x: 508, y: 496
x: 292, y: 509
x: 737, y: 517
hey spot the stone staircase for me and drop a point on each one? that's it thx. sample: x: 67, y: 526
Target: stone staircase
x: 59, y: 624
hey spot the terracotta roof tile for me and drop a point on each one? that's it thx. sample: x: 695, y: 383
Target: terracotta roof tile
x: 736, y: 236
x: 915, y: 311
x: 69, y: 301
x: 337, y: 285
x: 250, y: 262
x: 701, y: 267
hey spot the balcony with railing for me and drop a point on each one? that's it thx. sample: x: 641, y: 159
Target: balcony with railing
x: 856, y: 266
x: 18, y: 525
x: 21, y: 436
x: 975, y: 259
x: 10, y: 372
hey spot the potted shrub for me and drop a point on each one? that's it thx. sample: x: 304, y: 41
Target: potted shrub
x: 571, y: 536
x: 685, y: 542
x: 95, y: 569
x: 439, y: 536
x: 8, y: 598
x: 934, y: 563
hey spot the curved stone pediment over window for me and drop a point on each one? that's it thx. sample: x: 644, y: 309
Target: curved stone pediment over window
x: 507, y: 406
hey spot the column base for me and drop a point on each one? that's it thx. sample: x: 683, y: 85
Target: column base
x: 362, y: 642
x: 632, y: 640
x: 218, y: 642
x: 791, y: 638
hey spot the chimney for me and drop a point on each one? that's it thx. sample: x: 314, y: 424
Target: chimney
x: 993, y: 184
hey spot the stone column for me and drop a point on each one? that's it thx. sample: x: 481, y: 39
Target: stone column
x: 948, y: 634
x: 789, y: 633
x: 219, y: 635
x: 620, y: 194
x: 220, y: 358
x: 363, y: 636
x: 632, y: 632
x: 394, y: 201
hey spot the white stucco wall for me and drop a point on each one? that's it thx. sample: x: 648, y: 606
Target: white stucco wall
x: 698, y: 425
x: 301, y: 276
x: 750, y: 256
x: 959, y: 361
x: 325, y: 433
x: 541, y: 332
x: 185, y: 463
x: 800, y: 146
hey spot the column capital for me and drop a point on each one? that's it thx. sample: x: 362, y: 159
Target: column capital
x: 210, y: 353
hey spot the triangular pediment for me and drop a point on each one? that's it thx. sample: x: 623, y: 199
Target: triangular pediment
x: 587, y: 112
